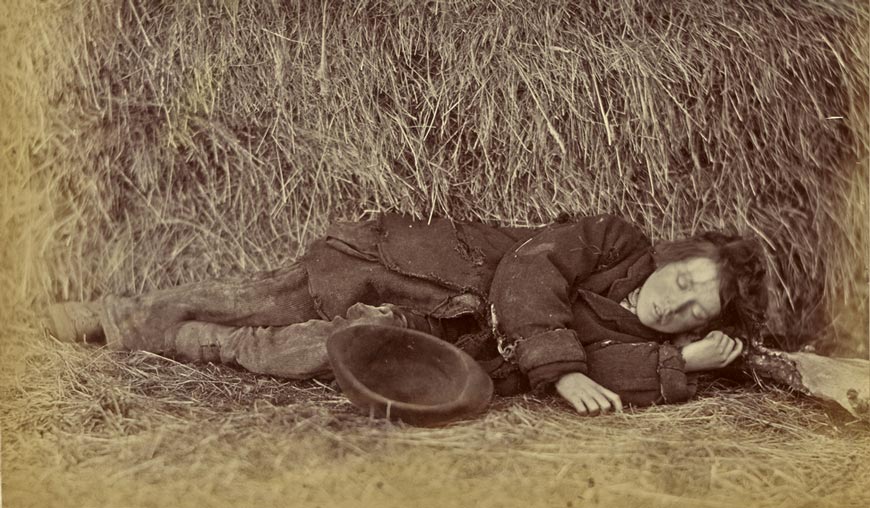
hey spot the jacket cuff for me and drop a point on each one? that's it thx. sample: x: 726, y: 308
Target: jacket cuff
x: 547, y: 356
x: 674, y: 384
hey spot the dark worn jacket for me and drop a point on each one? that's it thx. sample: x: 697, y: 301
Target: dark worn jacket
x: 551, y: 295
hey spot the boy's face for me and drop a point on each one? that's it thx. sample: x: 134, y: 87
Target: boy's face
x: 680, y: 296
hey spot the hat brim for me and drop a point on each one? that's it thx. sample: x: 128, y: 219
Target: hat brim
x: 401, y: 374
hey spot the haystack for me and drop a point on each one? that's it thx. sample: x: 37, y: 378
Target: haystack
x: 184, y: 140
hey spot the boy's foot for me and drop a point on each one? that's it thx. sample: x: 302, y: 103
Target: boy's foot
x: 75, y: 322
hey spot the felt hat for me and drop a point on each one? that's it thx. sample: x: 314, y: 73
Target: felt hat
x: 402, y: 374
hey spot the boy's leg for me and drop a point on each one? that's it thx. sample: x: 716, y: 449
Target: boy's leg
x: 296, y: 351
x: 275, y: 298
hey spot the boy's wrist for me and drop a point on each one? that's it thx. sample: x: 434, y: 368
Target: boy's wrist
x: 689, y: 359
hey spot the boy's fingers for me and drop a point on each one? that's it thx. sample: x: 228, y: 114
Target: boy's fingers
x: 577, y: 400
x: 594, y: 410
x: 590, y: 400
x: 613, y: 402
x: 728, y: 346
x: 585, y: 399
x: 609, y: 400
x: 578, y: 405
x: 738, y: 348
x: 733, y: 353
x: 613, y: 399
x: 738, y: 345
x: 601, y: 401
x: 617, y: 402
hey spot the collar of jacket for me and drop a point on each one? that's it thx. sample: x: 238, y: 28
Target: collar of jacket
x: 636, y: 274
x: 618, y: 317
x: 608, y: 309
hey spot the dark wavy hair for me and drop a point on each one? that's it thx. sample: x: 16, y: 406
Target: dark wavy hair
x: 743, y: 289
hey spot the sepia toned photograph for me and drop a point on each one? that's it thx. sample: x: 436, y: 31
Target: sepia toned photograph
x: 435, y: 253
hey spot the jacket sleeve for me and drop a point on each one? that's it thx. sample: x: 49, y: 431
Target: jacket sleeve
x: 641, y: 373
x: 532, y: 290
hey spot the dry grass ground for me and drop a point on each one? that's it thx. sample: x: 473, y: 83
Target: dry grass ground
x: 84, y: 428
x: 151, y: 143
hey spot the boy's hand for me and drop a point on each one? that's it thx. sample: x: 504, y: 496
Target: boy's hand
x: 714, y: 351
x: 587, y: 396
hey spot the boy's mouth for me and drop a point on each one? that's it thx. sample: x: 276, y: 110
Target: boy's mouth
x: 660, y: 315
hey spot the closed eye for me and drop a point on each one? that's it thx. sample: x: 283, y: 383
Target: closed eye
x: 683, y: 281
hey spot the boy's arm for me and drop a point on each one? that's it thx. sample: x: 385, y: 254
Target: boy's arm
x: 643, y: 373
x: 531, y: 290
